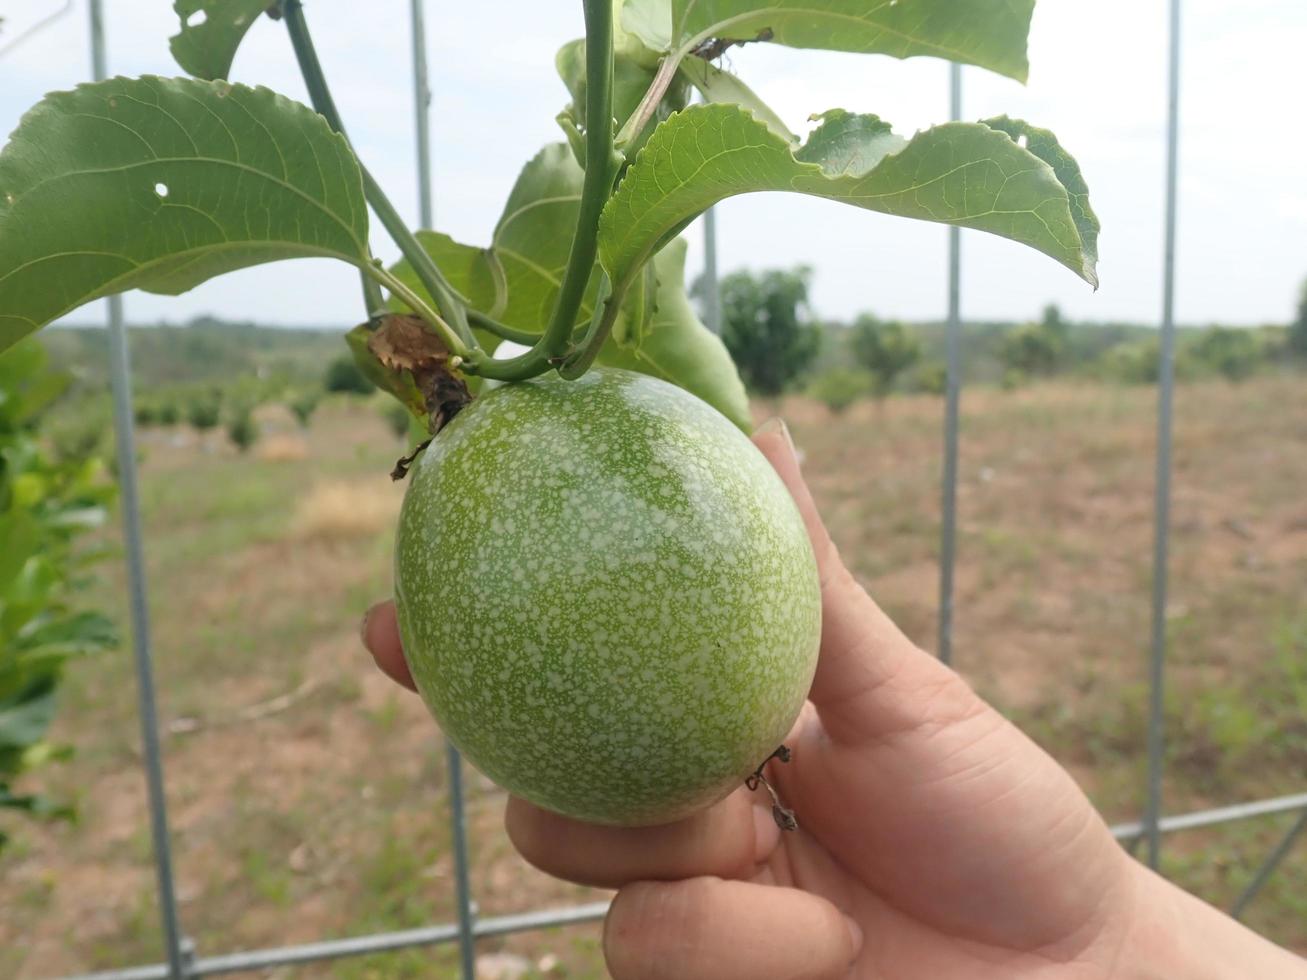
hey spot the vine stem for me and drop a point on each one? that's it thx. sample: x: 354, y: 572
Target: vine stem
x: 501, y: 330
x: 446, y: 303
x: 662, y: 79
x: 601, y: 165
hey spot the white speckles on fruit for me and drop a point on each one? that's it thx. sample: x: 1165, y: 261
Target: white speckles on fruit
x: 606, y: 595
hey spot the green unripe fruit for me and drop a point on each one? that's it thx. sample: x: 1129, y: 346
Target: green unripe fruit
x: 606, y: 596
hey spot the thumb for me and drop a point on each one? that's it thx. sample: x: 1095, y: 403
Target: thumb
x: 870, y: 677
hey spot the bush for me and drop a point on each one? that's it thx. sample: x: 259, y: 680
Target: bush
x: 41, y: 572
x: 839, y: 388
x: 931, y: 378
x: 303, y: 405
x: 1231, y: 353
x: 204, y: 411
x: 397, y: 417
x: 886, y: 349
x: 1029, y: 351
x: 1298, y: 329
x: 1133, y: 363
x: 242, y: 429
x: 344, y: 375
x: 145, y: 414
x: 167, y: 412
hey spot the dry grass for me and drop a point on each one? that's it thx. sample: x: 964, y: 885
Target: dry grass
x: 347, y: 508
x: 328, y: 818
x: 282, y: 448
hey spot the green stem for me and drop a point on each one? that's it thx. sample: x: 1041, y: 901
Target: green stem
x: 501, y: 330
x: 634, y: 126
x: 320, y: 95
x: 610, y: 304
x: 430, y: 277
x: 600, y: 169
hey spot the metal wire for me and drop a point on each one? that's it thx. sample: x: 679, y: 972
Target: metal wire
x: 453, y: 763
x: 125, y: 440
x: 1263, y: 875
x: 1162, y: 504
x: 181, y: 959
x: 385, y: 942
x: 952, y: 398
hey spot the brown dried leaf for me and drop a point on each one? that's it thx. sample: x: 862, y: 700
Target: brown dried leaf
x: 402, y: 343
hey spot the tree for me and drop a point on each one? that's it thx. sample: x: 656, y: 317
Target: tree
x: 839, y: 388
x: 766, y: 327
x: 1298, y: 329
x: 1229, y: 352
x: 204, y: 409
x: 1030, y: 350
x: 344, y: 375
x: 242, y: 429
x: 885, y: 348
x: 303, y: 405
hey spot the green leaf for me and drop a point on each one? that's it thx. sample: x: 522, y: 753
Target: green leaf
x: 987, y: 33
x: 675, y: 346
x: 19, y: 536
x: 517, y: 279
x: 721, y: 86
x: 968, y: 174
x: 206, y: 44
x: 160, y: 184
x: 24, y: 721
x: 631, y: 79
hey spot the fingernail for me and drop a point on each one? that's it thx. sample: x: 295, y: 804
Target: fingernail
x: 777, y: 424
x: 855, y: 935
x: 766, y: 834
x: 363, y: 625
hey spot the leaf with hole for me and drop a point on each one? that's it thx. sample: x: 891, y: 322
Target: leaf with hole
x: 160, y: 184
x: 971, y: 174
x: 987, y: 33
x: 211, y: 31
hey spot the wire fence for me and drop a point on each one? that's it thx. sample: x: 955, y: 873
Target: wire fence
x: 181, y: 959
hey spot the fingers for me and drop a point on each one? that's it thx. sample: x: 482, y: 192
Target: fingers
x: 871, y: 680
x: 380, y: 632
x: 710, y: 929
x: 730, y: 840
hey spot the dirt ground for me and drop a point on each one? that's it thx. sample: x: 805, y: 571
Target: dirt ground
x: 307, y: 793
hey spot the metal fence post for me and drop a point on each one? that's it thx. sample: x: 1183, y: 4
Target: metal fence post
x: 1162, y: 504
x: 125, y: 442
x: 953, y: 393
x: 712, y: 297
x: 453, y: 763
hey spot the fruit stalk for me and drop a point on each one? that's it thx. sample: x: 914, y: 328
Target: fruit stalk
x: 601, y: 165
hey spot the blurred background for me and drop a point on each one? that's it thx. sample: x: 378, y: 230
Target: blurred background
x: 307, y: 793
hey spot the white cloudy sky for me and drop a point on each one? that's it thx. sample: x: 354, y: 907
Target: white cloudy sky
x: 1097, y: 78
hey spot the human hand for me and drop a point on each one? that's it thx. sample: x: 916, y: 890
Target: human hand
x: 935, y: 839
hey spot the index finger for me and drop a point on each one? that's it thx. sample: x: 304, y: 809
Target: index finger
x: 380, y: 632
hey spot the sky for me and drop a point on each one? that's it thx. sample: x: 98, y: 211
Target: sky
x: 1097, y: 78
